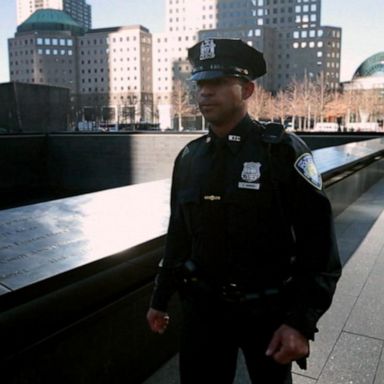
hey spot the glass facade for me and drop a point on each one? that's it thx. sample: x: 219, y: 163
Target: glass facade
x: 371, y: 67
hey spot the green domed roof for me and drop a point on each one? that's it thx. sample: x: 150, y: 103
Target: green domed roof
x: 372, y: 67
x: 50, y: 20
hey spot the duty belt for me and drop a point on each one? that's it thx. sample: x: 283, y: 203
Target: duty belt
x: 234, y: 292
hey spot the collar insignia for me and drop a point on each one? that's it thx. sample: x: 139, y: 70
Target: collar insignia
x: 234, y: 138
x: 306, y: 167
x: 207, y: 50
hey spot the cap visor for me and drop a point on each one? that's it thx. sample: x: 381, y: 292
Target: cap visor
x: 207, y: 75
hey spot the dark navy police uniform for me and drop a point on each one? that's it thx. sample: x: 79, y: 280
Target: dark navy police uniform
x: 250, y: 247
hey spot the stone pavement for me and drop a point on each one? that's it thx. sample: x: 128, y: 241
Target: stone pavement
x: 349, y: 349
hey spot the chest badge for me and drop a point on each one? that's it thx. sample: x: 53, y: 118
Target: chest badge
x: 250, y: 174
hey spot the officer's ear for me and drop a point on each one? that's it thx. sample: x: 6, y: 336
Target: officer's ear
x: 248, y: 89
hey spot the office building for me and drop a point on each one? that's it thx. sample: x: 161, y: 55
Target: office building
x: 288, y: 32
x: 44, y: 50
x: 170, y: 65
x: 108, y: 70
x: 79, y: 10
x: 115, y: 73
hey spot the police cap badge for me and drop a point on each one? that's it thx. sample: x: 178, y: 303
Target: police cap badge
x: 213, y: 58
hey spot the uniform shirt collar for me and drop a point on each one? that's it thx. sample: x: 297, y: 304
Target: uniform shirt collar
x: 235, y: 137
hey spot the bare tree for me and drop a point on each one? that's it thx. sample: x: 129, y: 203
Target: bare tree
x: 378, y: 108
x: 296, y: 102
x: 321, y: 95
x: 336, y: 107
x: 257, y: 104
x: 181, y: 101
x: 352, y: 101
x: 367, y: 104
x: 127, y: 110
x: 281, y: 106
x: 309, y: 100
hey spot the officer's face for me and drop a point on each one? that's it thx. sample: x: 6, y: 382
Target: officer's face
x: 223, y: 99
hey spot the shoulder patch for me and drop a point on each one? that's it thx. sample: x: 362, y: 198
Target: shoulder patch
x: 306, y: 167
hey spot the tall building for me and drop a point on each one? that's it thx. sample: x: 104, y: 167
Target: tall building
x: 184, y: 19
x: 79, y: 10
x: 44, y: 50
x: 288, y: 32
x: 108, y: 71
x: 115, y: 73
x: 302, y: 47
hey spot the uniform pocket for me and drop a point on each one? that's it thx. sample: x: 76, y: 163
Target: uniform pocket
x: 190, y: 203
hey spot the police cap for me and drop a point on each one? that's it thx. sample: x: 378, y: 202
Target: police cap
x: 213, y: 58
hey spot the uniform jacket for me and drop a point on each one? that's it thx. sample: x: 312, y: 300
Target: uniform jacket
x: 269, y: 224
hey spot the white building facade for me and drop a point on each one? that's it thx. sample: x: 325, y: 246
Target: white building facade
x: 115, y: 73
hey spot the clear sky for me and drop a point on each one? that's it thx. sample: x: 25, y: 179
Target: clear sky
x: 362, y: 23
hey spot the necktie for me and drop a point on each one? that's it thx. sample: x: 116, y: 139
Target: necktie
x: 214, y: 212
x: 216, y: 175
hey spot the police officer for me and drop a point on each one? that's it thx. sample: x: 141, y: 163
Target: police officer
x: 251, y: 245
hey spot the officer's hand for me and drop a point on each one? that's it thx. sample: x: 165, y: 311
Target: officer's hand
x: 158, y: 321
x: 287, y: 345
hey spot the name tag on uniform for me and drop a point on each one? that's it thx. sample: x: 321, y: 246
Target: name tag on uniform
x: 254, y: 186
